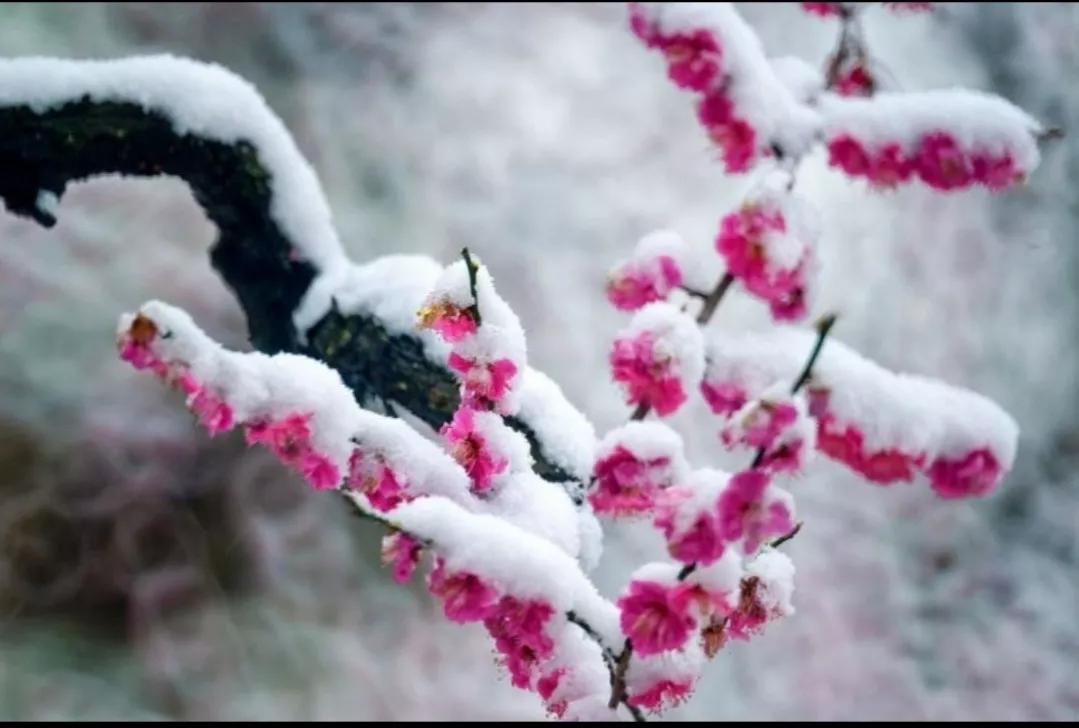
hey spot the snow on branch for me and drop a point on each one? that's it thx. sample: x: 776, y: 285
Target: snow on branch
x: 886, y: 426
x: 277, y: 248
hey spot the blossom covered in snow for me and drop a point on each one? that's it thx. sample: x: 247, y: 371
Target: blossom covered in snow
x: 659, y: 264
x: 825, y: 10
x: 764, y: 595
x: 634, y: 463
x: 484, y: 446
x: 658, y: 358
x: 688, y: 517
x: 465, y: 596
x: 656, y: 612
x: 746, y: 110
x: 401, y: 551
x: 753, y: 510
x: 768, y: 245
x: 776, y: 424
x: 888, y: 427
x: 948, y: 138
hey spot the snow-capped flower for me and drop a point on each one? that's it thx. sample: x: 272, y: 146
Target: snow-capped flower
x: 465, y: 596
x: 635, y: 284
x: 470, y: 446
x: 519, y: 630
x: 290, y: 439
x: 402, y: 552
x: 370, y: 475
x: 656, y: 616
x: 633, y: 464
x: 450, y: 321
x: 752, y: 509
x: 658, y: 358
x: 765, y: 594
x: 723, y: 398
x: 732, y: 134
x: 973, y: 474
x: 483, y: 384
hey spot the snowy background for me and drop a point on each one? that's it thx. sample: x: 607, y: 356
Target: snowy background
x: 148, y: 571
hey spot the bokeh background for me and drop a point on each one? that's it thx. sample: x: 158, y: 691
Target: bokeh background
x: 147, y: 571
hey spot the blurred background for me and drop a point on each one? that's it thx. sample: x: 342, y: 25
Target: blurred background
x: 147, y: 571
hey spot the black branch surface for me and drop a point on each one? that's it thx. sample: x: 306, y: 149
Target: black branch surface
x: 42, y: 151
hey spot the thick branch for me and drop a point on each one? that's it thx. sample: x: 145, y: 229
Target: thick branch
x: 41, y: 152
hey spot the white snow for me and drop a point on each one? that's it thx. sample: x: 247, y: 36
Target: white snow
x: 648, y: 440
x: 676, y: 338
x: 756, y: 91
x: 198, y: 98
x: 567, y: 436
x: 907, y: 411
x: 518, y: 561
x: 979, y: 121
x: 776, y: 573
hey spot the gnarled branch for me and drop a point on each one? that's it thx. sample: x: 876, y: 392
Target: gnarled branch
x: 41, y: 151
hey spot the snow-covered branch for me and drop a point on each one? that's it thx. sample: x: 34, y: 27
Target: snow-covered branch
x: 277, y: 248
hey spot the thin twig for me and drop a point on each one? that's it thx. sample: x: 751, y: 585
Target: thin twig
x: 824, y: 325
x: 783, y: 539
x: 470, y: 264
x: 712, y: 302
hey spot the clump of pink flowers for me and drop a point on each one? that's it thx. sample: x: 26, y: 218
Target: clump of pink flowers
x: 937, y: 159
x: 777, y: 426
x: 634, y: 464
x: 658, y: 358
x: 635, y: 284
x: 752, y: 510
x: 468, y: 437
x: 768, y: 246
x: 694, y: 57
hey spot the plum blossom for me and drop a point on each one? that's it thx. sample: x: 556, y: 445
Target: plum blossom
x: 752, y: 510
x: 450, y: 321
x: 401, y: 551
x: 634, y: 464
x: 656, y: 616
x: 483, y: 383
x: 465, y: 596
x: 768, y: 246
x: 471, y: 447
x: 370, y: 475
x: 658, y: 358
x: 973, y: 474
x: 290, y: 439
x: 519, y: 630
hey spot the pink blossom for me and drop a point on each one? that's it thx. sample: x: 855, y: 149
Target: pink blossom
x: 996, y: 173
x: 701, y: 541
x: 742, y: 242
x: 724, y: 398
x: 751, y: 614
x: 646, y: 376
x: 376, y: 480
x: 941, y: 162
x: 747, y: 509
x: 662, y: 694
x: 973, y: 474
x: 849, y: 155
x: 641, y: 282
x: 693, y: 59
x: 824, y: 10
x: 401, y: 551
x: 134, y: 345
x: 888, y: 167
x: 319, y: 470
x: 546, y: 686
x: 761, y: 426
x: 214, y: 413
x: 483, y: 383
x: 655, y: 617
x: 518, y: 628
x: 855, y: 81
x: 471, y: 450
x: 465, y: 596
x: 846, y: 444
x: 453, y: 323
x: 626, y: 484
x: 734, y: 136
x: 643, y: 26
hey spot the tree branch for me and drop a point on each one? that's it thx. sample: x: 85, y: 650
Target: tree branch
x: 42, y: 151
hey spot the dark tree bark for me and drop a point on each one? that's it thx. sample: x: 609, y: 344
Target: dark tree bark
x: 40, y: 152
